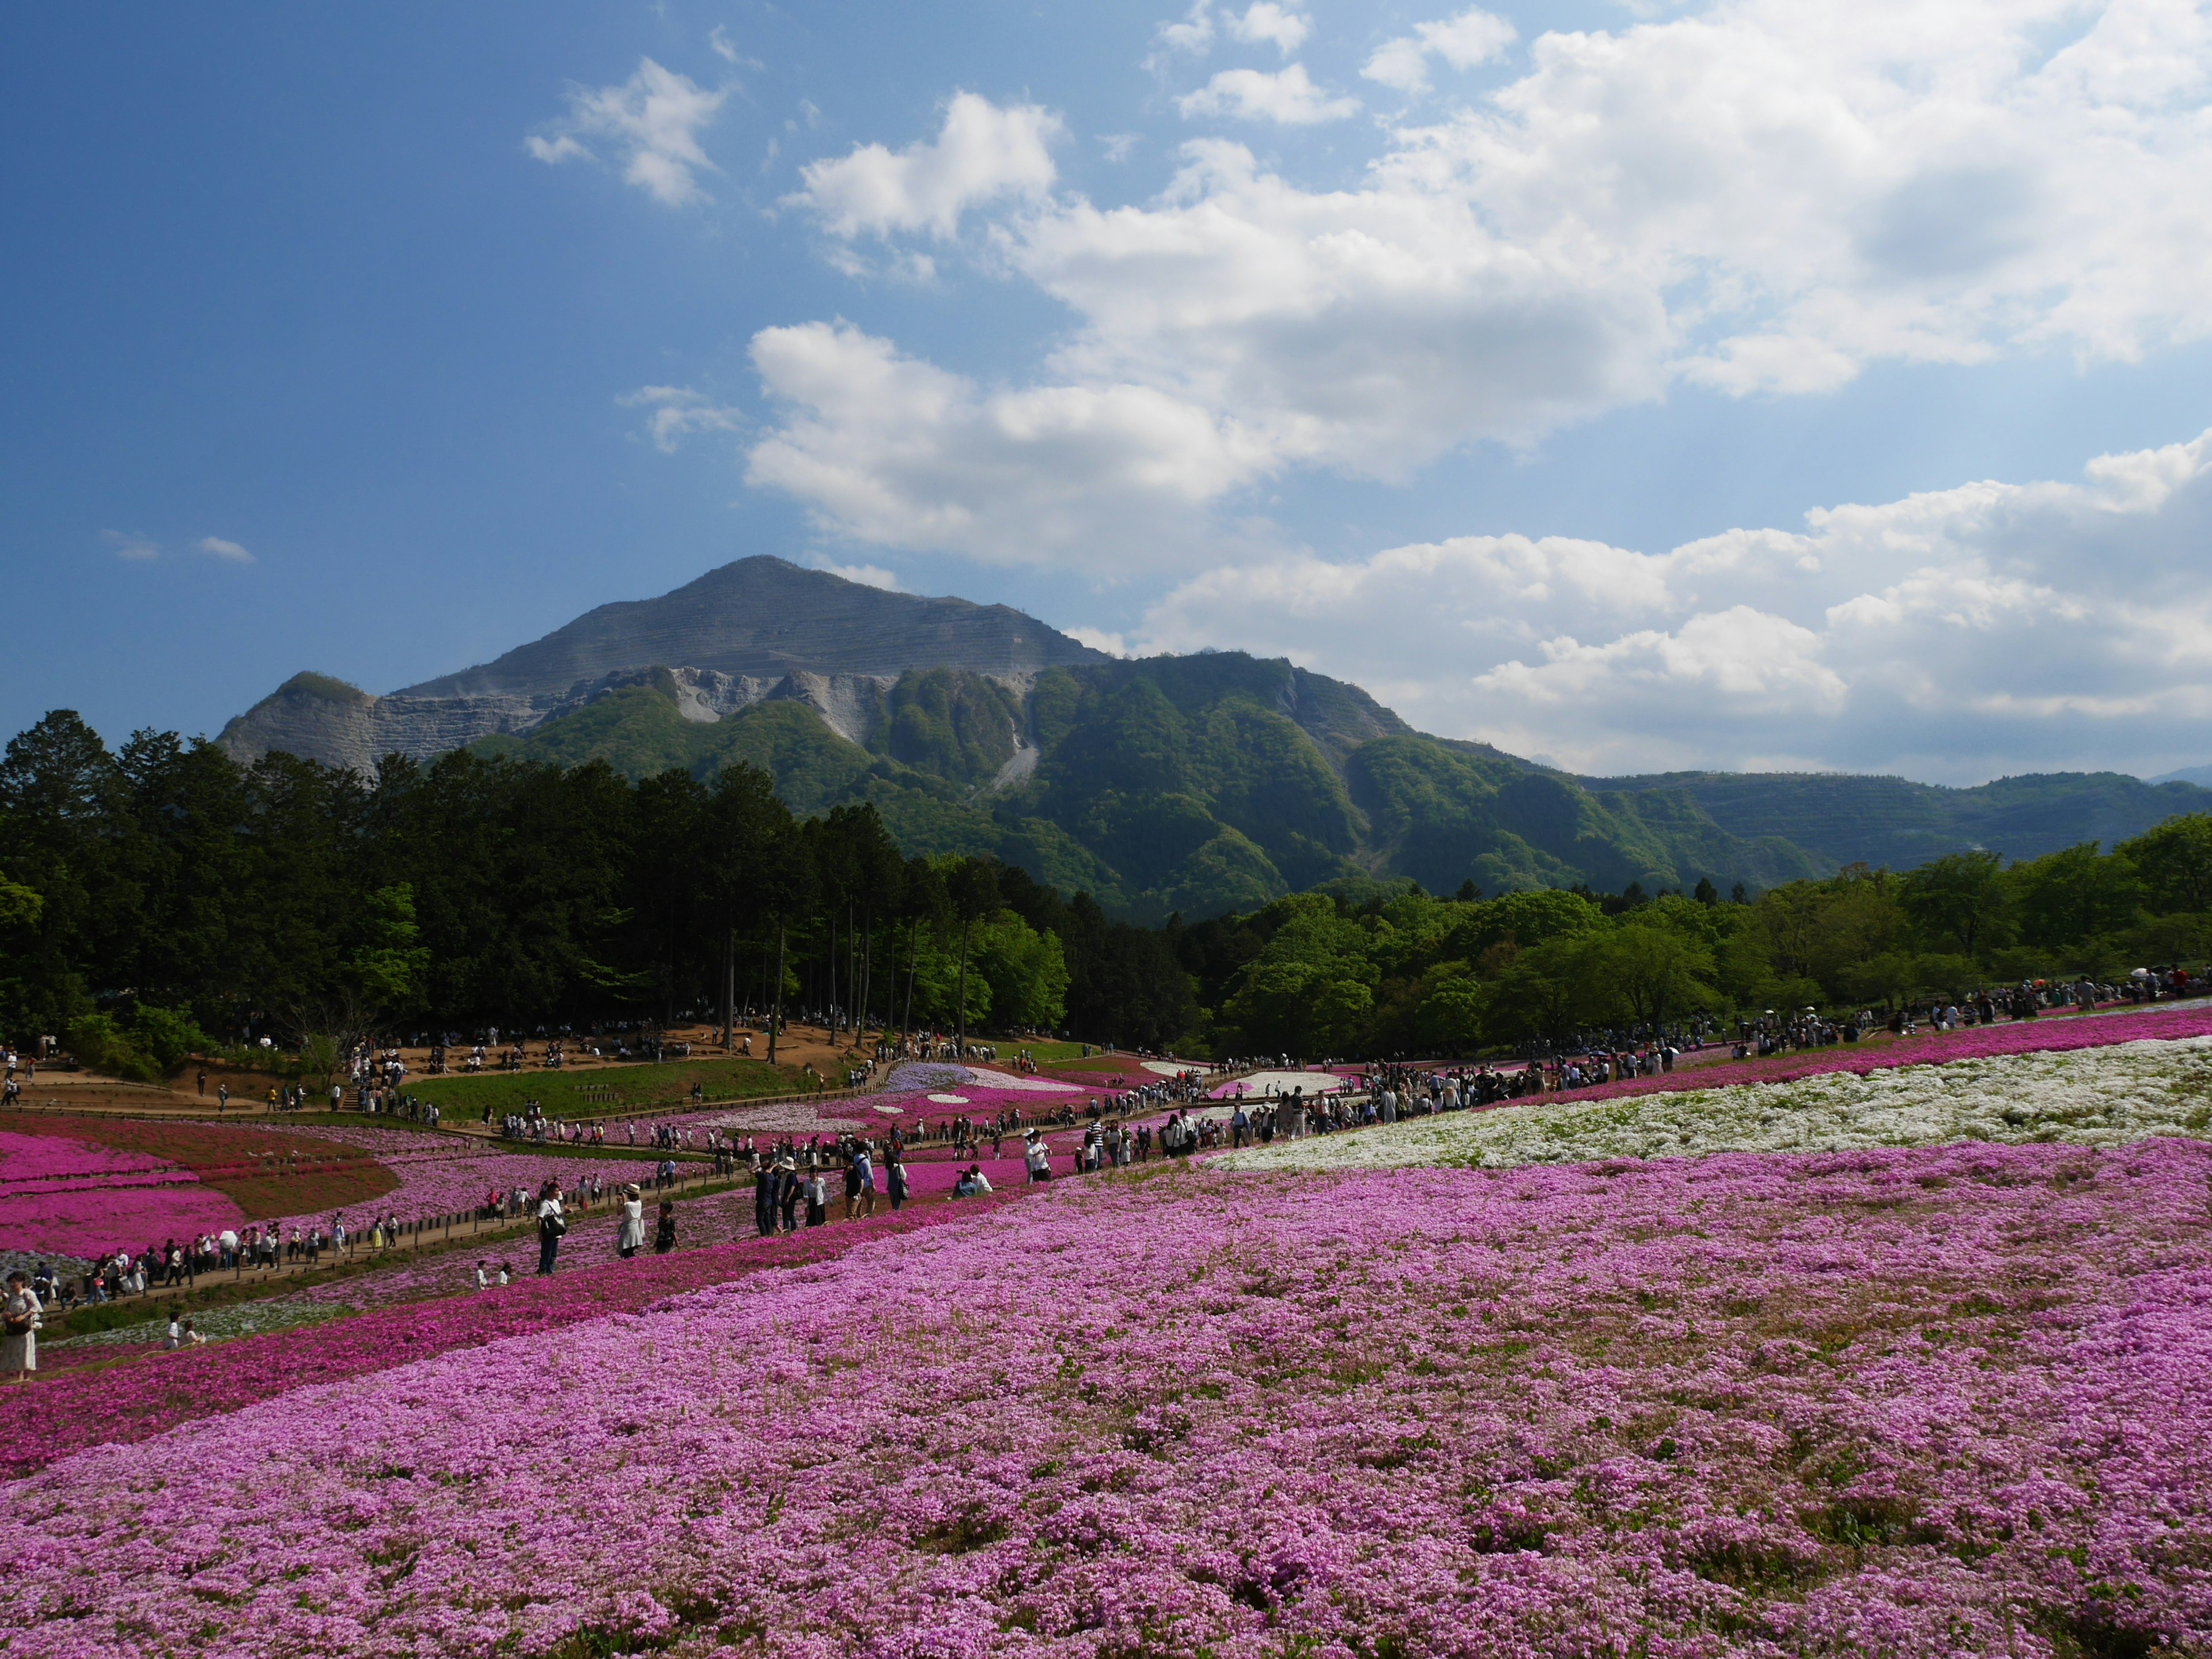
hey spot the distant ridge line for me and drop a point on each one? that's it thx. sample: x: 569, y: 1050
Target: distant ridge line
x: 764, y: 617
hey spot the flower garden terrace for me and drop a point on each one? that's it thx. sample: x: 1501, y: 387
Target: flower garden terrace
x: 1918, y: 1401
x: 1905, y: 1398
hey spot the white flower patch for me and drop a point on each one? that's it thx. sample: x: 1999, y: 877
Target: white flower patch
x: 2104, y: 1097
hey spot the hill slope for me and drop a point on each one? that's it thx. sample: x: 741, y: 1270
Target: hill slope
x: 1197, y: 784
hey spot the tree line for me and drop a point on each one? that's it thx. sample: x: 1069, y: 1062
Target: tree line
x: 163, y: 897
x: 1397, y: 971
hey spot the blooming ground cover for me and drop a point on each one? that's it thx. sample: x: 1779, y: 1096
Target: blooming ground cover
x: 76, y: 1197
x: 130, y: 1402
x: 264, y: 1169
x: 1895, y: 1402
x: 81, y: 1198
x: 2101, y: 1097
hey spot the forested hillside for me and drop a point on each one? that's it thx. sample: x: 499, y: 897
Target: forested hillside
x: 1194, y: 785
x: 1848, y: 819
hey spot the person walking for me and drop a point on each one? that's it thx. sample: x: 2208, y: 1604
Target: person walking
x: 895, y: 1179
x: 22, y: 1314
x: 630, y: 1237
x: 863, y: 1164
x: 551, y: 1225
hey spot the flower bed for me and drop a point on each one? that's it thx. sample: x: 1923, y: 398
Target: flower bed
x: 1899, y: 1403
x: 263, y: 1169
x: 2101, y: 1097
x: 119, y: 1405
x: 80, y: 1197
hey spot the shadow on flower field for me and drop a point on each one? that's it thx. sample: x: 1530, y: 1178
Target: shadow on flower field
x: 1901, y: 1402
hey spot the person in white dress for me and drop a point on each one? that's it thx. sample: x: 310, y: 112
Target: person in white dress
x: 630, y: 1237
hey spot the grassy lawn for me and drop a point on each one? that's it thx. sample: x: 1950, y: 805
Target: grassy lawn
x: 1046, y: 1054
x: 608, y: 1091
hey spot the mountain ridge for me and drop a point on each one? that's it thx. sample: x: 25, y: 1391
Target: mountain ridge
x: 1197, y: 784
x: 764, y: 617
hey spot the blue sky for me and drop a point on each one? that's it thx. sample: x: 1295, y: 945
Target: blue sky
x: 1440, y: 349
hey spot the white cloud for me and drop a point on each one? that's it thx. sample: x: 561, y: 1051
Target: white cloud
x: 1264, y: 20
x: 652, y: 120
x: 675, y: 411
x: 130, y: 545
x: 896, y: 453
x: 1288, y: 96
x: 1191, y: 37
x: 1099, y: 640
x: 868, y: 575
x: 1956, y: 635
x: 981, y: 153
x: 229, y: 552
x: 1762, y: 197
x: 1119, y: 146
x: 1474, y: 37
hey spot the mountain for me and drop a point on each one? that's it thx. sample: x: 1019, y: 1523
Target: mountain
x: 1847, y: 819
x: 2199, y: 775
x: 764, y: 618
x: 1200, y: 784
x: 758, y: 629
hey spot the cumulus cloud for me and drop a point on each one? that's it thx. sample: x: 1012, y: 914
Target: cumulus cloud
x: 1760, y: 197
x: 1474, y: 37
x: 1099, y: 640
x: 889, y: 450
x: 130, y: 545
x: 1282, y: 27
x: 652, y: 122
x: 1189, y: 36
x: 868, y: 575
x: 674, y: 412
x: 1957, y: 634
x: 1288, y: 96
x: 981, y: 153
x: 218, y: 547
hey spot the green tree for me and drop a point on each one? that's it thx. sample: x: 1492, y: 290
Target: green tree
x: 1650, y: 972
x: 2070, y: 896
x: 2174, y: 863
x: 1026, y: 970
x: 1963, y: 897
x: 1310, y: 991
x: 971, y: 887
x: 390, y: 969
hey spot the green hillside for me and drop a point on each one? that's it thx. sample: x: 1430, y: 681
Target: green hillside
x: 1221, y: 781
x: 1198, y: 784
x: 1847, y: 819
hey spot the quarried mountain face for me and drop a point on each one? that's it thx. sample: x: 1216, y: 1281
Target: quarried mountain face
x: 762, y: 618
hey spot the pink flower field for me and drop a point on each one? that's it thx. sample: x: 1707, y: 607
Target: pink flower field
x: 75, y: 1198
x: 1943, y: 1402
